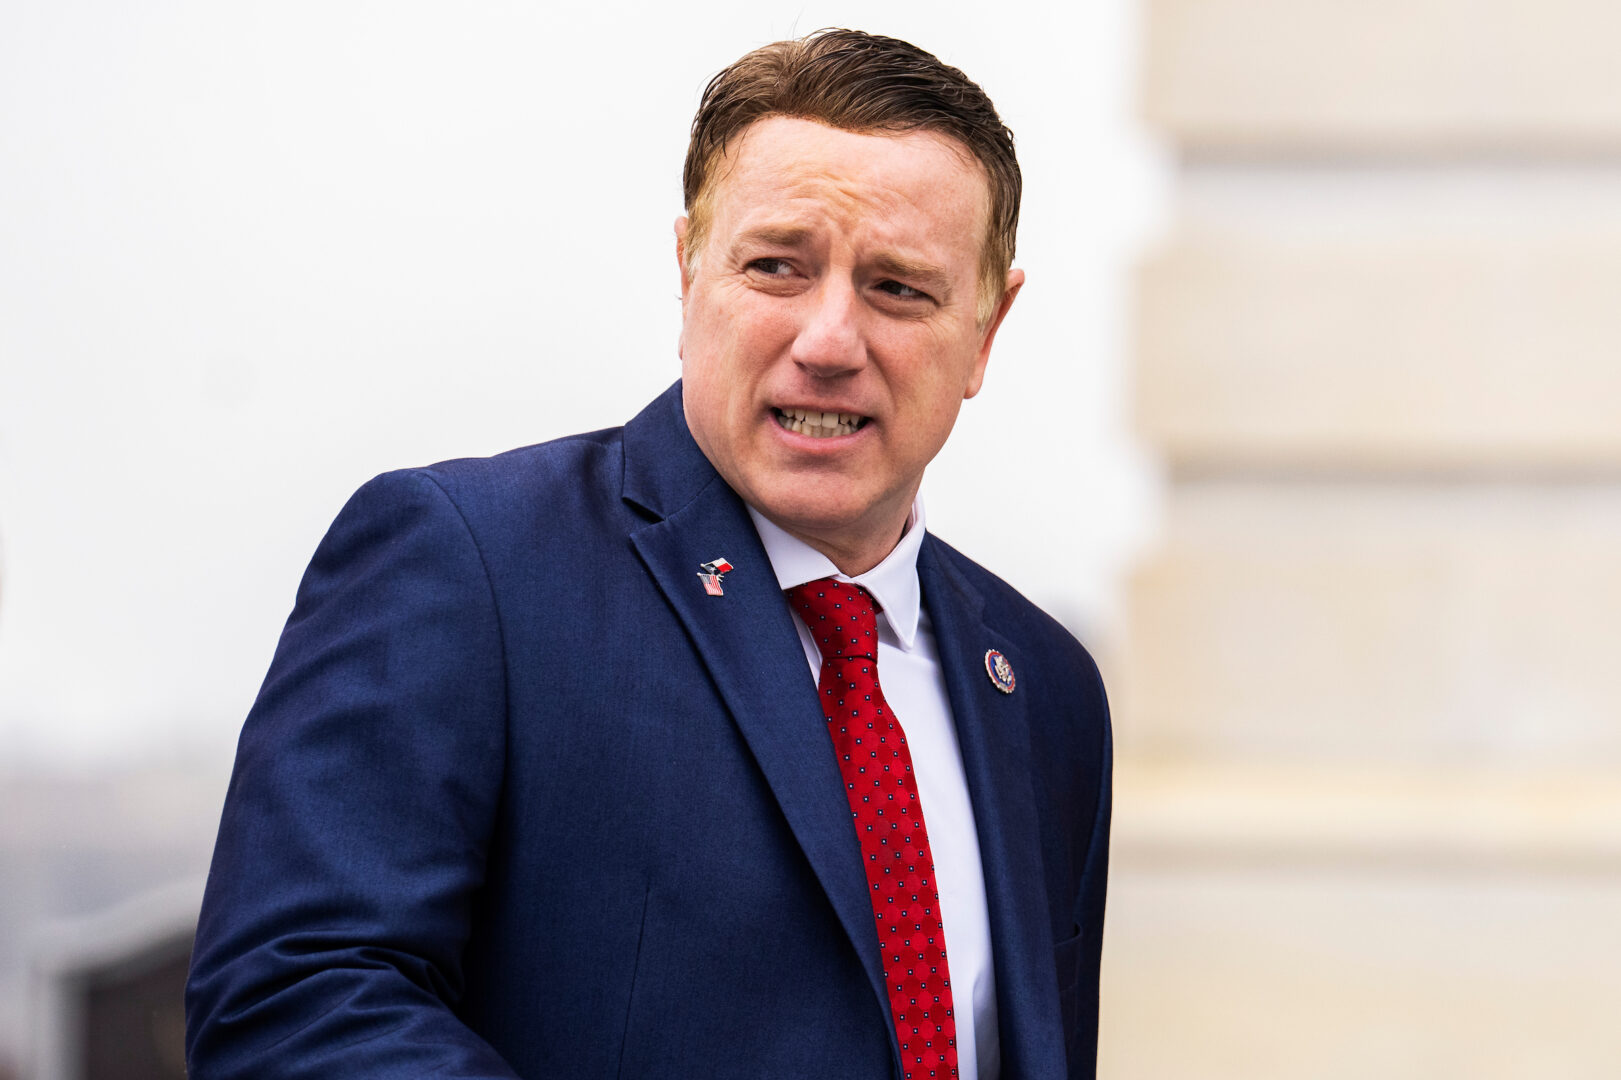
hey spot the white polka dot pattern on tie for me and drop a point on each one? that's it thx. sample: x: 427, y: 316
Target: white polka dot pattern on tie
x: 873, y: 758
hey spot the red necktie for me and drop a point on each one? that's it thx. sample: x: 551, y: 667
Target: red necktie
x: 877, y: 768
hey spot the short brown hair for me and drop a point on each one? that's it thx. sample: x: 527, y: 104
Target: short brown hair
x: 868, y: 84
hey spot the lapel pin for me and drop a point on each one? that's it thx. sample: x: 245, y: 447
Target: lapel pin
x: 1000, y: 671
x: 711, y: 573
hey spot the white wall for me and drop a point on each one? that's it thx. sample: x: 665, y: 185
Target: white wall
x: 253, y: 253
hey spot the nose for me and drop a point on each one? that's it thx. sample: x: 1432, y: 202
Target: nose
x: 830, y: 342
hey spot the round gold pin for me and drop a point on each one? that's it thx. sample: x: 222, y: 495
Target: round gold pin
x: 1000, y: 671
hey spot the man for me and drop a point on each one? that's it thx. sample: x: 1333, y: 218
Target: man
x: 575, y: 761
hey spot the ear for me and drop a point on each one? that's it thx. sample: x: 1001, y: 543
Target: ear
x: 681, y: 258
x: 1015, y: 282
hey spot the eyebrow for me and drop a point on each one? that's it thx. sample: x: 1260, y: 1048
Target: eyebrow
x: 781, y: 235
x: 926, y: 276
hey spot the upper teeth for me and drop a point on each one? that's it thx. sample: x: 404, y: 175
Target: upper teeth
x: 817, y: 424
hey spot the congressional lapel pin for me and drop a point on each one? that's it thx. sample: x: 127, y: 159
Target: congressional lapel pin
x: 711, y: 573
x: 1000, y: 671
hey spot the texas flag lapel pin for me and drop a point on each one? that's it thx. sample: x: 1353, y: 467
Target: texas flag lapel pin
x: 711, y: 572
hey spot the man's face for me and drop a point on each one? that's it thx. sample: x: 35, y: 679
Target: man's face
x: 839, y: 276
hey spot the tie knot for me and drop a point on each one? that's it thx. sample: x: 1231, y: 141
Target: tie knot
x: 842, y: 617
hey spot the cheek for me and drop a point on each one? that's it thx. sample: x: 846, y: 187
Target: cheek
x: 732, y: 328
x: 929, y: 372
x: 935, y: 404
x: 763, y: 329
x: 718, y: 390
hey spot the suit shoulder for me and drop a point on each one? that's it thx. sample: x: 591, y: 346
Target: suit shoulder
x: 554, y: 473
x: 1016, y: 613
x: 1000, y: 597
x: 571, y: 459
x: 549, y: 501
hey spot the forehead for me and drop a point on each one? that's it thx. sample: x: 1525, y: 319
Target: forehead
x: 785, y: 168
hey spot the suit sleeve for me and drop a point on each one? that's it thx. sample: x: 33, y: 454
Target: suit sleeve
x: 1093, y: 894
x: 1090, y: 907
x: 359, y: 813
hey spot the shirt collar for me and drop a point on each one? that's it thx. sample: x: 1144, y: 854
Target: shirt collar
x: 893, y: 582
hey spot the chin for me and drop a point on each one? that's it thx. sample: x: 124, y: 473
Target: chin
x: 817, y: 518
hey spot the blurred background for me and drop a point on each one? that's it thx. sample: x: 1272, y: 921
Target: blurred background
x: 1308, y: 422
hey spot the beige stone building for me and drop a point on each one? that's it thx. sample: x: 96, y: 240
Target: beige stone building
x: 1368, y: 816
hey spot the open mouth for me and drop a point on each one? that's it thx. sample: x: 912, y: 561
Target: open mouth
x: 818, y: 425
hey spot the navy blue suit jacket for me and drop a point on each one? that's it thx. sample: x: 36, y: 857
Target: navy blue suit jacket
x: 518, y: 798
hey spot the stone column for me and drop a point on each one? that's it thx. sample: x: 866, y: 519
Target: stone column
x: 1368, y: 820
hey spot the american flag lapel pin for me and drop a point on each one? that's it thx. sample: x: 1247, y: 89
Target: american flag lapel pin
x: 710, y: 573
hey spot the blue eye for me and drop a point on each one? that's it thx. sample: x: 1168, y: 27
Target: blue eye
x: 904, y: 292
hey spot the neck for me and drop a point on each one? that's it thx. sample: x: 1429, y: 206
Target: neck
x: 853, y: 555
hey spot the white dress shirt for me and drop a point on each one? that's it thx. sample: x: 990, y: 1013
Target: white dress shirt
x: 913, y: 684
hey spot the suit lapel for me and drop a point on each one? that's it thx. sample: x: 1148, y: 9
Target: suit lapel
x: 747, y: 641
x: 994, y: 733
